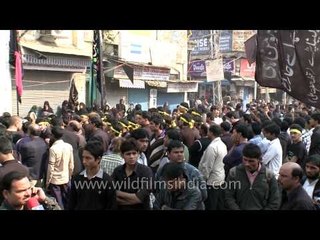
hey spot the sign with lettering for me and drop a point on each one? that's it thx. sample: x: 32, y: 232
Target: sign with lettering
x: 182, y: 87
x: 198, y: 68
x: 290, y: 60
x: 247, y: 70
x: 238, y: 39
x: 225, y: 41
x: 228, y: 65
x: 202, y: 41
x: 145, y: 73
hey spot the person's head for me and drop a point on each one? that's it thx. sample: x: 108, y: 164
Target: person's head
x: 16, y: 122
x: 271, y: 131
x: 290, y: 176
x: 57, y: 132
x: 91, y: 154
x: 315, y: 120
x: 5, y: 148
x: 142, y: 137
x: 251, y: 156
x: 175, y: 151
x: 295, y: 133
x: 183, y: 107
x: 130, y: 151
x: 171, y: 134
x: 174, y: 176
x: 240, y: 132
x: 312, y: 167
x: 16, y: 189
x: 214, y: 132
x: 225, y: 126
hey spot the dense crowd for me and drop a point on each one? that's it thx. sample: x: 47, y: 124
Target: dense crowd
x: 253, y: 157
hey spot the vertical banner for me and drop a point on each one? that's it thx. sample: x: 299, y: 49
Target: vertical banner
x: 97, y: 65
x: 15, y: 60
x: 290, y: 60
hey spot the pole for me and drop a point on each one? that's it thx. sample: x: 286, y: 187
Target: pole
x: 17, y: 102
x: 211, y: 56
x: 255, y: 90
x: 101, y: 68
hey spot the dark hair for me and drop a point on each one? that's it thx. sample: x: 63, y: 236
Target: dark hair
x: 95, y: 148
x: 314, y: 159
x: 297, y: 172
x: 256, y: 128
x: 175, y: 144
x: 139, y: 133
x: 226, y: 126
x: 5, y: 145
x: 57, y: 132
x: 243, y: 129
x: 296, y: 126
x: 316, y: 117
x: 129, y: 144
x: 172, y: 170
x: 300, y: 121
x: 9, y: 178
x: 251, y: 150
x: 272, y: 129
x: 215, y: 130
x: 173, y: 134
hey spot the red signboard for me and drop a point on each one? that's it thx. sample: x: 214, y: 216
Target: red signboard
x: 247, y: 70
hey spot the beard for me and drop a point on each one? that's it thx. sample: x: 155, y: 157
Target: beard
x: 312, y: 178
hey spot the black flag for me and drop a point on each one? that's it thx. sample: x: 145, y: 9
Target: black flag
x: 290, y: 60
x: 129, y: 71
x: 96, y: 58
x: 73, y: 93
x: 251, y: 48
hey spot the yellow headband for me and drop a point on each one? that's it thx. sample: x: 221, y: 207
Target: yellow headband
x: 195, y: 113
x: 123, y: 125
x: 184, y: 107
x: 117, y: 132
x: 295, y: 131
x: 185, y: 120
x: 164, y: 113
x: 44, y: 124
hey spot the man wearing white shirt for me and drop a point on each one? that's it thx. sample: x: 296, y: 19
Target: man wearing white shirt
x: 272, y: 159
x: 212, y: 167
x: 311, y: 182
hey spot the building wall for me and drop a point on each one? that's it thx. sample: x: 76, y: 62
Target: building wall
x: 6, y: 99
x: 40, y: 86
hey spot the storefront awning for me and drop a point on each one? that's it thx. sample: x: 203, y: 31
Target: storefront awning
x: 51, y: 48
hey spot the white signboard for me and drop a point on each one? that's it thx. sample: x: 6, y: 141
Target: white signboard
x: 214, y: 69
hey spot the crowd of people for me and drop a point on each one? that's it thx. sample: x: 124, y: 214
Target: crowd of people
x: 262, y: 157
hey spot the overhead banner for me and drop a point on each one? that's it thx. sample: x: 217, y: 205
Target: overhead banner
x: 214, y: 69
x: 290, y: 60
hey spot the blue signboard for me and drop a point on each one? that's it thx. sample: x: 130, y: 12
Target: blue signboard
x: 203, y: 42
x: 225, y: 42
x: 197, y: 69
